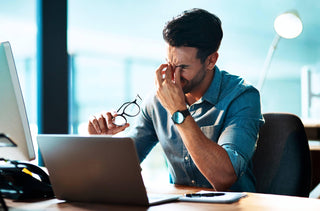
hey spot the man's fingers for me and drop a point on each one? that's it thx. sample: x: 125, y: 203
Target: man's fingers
x: 110, y: 124
x: 168, y: 73
x: 159, y: 78
x: 177, y: 76
x: 91, y: 129
x: 103, y: 124
x: 120, y: 128
x: 95, y: 124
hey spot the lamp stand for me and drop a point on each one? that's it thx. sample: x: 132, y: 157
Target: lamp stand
x: 267, y: 62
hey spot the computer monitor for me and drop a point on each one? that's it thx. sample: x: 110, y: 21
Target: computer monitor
x: 15, y: 136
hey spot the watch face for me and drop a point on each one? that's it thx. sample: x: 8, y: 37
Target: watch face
x: 178, y: 117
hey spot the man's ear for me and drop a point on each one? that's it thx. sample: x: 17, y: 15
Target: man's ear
x: 212, y: 60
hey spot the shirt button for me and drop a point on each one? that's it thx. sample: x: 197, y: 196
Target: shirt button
x: 186, y: 158
x: 192, y: 181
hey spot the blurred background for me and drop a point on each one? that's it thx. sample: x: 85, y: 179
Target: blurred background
x: 116, y: 46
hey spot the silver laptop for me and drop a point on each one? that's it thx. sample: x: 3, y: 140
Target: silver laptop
x: 96, y: 169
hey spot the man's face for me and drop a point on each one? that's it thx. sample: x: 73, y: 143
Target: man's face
x: 192, y: 70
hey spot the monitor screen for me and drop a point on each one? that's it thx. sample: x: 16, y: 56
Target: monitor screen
x: 15, y: 136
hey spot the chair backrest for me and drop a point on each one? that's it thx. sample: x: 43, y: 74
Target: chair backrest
x: 281, y: 163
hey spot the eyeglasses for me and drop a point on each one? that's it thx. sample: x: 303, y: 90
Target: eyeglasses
x: 130, y: 109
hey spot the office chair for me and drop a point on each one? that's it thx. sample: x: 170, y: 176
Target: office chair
x: 281, y: 163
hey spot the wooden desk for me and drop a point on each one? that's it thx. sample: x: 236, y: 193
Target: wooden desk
x: 252, y: 202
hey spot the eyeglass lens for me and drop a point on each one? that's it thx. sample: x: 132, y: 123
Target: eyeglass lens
x: 131, y: 109
x: 120, y: 120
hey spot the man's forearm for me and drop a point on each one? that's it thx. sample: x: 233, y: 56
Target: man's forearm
x: 210, y: 158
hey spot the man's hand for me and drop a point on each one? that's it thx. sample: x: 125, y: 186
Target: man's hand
x: 103, y: 125
x: 169, y: 90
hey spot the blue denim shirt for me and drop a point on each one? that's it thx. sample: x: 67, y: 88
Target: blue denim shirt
x: 229, y: 113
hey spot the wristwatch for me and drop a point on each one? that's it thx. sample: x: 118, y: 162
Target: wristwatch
x: 179, y: 116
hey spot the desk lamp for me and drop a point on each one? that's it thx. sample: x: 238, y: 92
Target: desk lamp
x: 287, y: 25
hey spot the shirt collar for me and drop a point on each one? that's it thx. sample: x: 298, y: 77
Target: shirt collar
x: 212, y: 94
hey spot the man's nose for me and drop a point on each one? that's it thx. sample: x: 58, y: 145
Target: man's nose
x: 174, y: 67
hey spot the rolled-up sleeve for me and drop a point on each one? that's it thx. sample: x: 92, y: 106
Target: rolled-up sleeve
x: 241, y: 129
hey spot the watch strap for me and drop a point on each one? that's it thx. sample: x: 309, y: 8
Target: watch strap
x: 185, y: 113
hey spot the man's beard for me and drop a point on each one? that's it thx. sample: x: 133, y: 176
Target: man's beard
x: 190, y: 85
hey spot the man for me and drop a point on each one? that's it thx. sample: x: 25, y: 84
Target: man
x: 206, y: 120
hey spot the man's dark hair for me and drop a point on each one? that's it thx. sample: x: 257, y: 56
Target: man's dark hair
x: 195, y: 28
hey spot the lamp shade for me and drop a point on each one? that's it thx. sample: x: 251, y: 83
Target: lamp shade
x: 288, y: 25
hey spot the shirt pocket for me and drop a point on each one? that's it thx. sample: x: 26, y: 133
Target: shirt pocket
x: 212, y: 132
